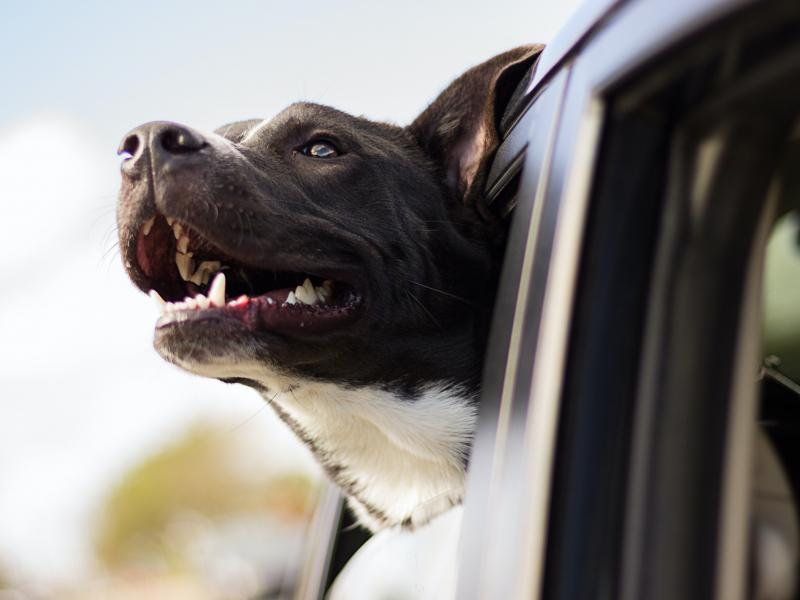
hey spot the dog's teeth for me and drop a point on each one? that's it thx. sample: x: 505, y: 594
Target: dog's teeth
x: 160, y: 303
x: 197, y: 278
x: 190, y: 302
x: 302, y: 294
x: 204, y: 271
x: 185, y: 265
x: 170, y: 220
x: 177, y: 229
x: 148, y: 225
x: 216, y: 293
x: 242, y: 300
x: 307, y: 293
x: 291, y: 299
x: 183, y: 244
x: 322, y: 293
x: 211, y: 265
x: 202, y: 301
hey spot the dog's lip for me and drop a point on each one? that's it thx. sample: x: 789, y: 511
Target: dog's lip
x: 266, y: 314
x: 270, y: 311
x: 145, y: 283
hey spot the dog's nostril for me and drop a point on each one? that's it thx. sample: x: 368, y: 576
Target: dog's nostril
x: 129, y: 146
x: 180, y: 141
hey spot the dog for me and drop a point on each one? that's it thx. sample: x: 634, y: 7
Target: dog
x: 343, y: 268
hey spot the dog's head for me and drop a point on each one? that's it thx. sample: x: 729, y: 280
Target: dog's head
x: 352, y: 251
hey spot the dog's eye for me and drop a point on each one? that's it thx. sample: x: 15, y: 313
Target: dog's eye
x: 320, y: 150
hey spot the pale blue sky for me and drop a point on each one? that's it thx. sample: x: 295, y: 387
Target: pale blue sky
x: 111, y: 65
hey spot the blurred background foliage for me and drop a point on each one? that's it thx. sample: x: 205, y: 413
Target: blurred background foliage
x: 782, y: 296
x: 200, y: 518
x: 200, y: 474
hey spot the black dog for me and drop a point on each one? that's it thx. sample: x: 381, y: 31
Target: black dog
x: 344, y: 268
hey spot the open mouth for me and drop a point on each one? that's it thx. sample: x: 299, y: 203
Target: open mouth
x: 192, y: 279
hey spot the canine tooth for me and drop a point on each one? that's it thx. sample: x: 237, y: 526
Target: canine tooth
x: 170, y: 220
x: 185, y: 265
x: 177, y: 230
x: 160, y: 303
x: 148, y: 225
x: 216, y: 293
x: 291, y: 299
x: 183, y: 244
x: 301, y: 293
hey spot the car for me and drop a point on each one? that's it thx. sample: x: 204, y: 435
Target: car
x: 637, y: 436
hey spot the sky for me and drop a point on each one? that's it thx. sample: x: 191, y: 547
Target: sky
x: 82, y: 394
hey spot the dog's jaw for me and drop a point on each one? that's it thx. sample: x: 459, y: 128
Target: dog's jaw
x: 400, y: 457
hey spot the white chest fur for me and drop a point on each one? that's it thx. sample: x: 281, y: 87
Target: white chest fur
x: 401, y: 460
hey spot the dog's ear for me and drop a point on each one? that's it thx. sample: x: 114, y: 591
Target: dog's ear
x: 459, y: 130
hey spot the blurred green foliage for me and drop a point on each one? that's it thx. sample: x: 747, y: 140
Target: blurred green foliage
x: 202, y: 474
x: 782, y: 295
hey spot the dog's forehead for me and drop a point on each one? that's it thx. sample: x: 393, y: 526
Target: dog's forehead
x: 298, y: 118
x: 302, y: 121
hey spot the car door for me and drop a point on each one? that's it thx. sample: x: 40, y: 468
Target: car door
x: 618, y: 429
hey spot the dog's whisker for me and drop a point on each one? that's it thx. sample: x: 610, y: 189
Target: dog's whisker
x: 423, y: 307
x: 438, y: 291
x: 114, y: 246
x: 249, y: 419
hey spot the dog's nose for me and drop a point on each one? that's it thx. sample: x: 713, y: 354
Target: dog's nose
x: 163, y: 141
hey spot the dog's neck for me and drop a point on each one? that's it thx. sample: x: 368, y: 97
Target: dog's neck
x: 400, y: 459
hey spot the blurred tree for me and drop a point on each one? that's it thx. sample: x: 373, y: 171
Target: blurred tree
x: 200, y: 474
